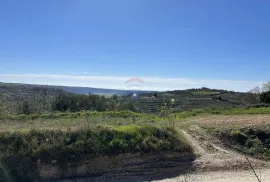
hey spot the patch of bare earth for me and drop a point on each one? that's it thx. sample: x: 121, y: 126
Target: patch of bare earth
x: 125, y: 167
x: 222, y: 176
x: 225, y: 121
x: 214, y: 162
x: 212, y: 156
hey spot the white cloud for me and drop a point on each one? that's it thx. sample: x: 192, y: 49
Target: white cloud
x: 119, y: 82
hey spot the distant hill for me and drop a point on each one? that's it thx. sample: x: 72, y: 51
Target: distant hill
x: 100, y: 91
x: 40, y: 97
x: 16, y: 89
x: 202, y: 98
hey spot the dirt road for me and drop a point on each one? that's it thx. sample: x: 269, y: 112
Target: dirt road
x: 227, y: 176
x: 217, y: 164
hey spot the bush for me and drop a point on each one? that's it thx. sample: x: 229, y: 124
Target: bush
x: 239, y: 137
x: 24, y: 108
x: 252, y: 141
x: 265, y: 97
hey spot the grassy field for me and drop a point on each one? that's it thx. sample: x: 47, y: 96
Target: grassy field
x: 76, y: 121
x: 214, y: 111
x: 66, y: 138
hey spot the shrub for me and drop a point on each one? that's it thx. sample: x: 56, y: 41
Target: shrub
x: 24, y: 108
x: 265, y: 97
x: 252, y: 141
x: 239, y: 137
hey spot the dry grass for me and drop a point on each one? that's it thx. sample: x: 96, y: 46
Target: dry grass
x: 73, y: 124
x: 231, y: 121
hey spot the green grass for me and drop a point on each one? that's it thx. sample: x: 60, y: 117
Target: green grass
x: 119, y: 114
x: 187, y: 114
x: 134, y: 115
x: 205, y: 93
x: 21, y: 151
x: 128, y: 129
x: 241, y: 111
x: 77, y: 121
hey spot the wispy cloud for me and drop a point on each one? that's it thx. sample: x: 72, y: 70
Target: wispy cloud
x: 119, y: 82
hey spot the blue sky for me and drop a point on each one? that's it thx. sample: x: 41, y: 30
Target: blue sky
x: 203, y: 42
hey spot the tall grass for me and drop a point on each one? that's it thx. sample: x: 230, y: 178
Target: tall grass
x: 22, y: 152
x: 134, y: 115
x: 76, y: 121
x: 60, y: 115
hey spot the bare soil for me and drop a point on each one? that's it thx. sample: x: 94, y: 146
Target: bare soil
x: 213, y: 156
x: 227, y: 121
x: 222, y: 176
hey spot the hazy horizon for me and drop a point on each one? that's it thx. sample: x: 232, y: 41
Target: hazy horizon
x: 119, y: 82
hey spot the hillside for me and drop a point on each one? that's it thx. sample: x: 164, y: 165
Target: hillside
x: 17, y: 97
x: 37, y: 98
x: 40, y: 98
x: 32, y: 88
x: 99, y: 91
x: 197, y: 99
x: 12, y: 92
x: 68, y: 146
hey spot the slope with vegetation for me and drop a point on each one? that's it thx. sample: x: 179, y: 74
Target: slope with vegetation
x: 68, y: 132
x: 26, y: 99
x: 23, y: 152
x: 62, y: 141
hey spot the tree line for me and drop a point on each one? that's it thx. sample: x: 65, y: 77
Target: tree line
x: 264, y: 92
x: 65, y: 102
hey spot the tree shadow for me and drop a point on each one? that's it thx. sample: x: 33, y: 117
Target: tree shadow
x: 130, y: 168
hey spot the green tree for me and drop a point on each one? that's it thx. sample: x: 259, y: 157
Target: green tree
x: 24, y: 108
x: 115, y: 97
x: 61, y: 103
x: 265, y: 97
x: 156, y: 94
